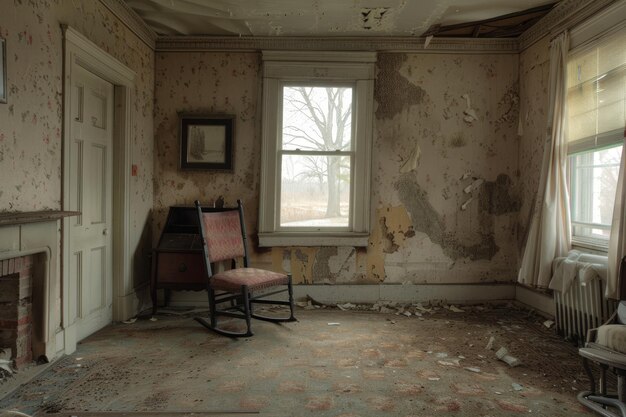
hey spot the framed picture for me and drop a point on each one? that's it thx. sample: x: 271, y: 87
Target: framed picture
x: 3, y: 70
x: 206, y: 142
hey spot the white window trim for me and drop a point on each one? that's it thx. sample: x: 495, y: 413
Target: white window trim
x: 280, y: 67
x: 582, y: 37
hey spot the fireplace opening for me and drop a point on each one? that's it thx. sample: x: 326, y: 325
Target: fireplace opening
x: 21, y: 309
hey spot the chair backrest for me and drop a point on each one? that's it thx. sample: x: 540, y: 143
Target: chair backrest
x: 223, y: 233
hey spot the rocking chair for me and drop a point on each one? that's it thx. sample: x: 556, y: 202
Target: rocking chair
x: 223, y: 234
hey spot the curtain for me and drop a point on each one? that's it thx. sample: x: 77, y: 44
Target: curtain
x: 617, y: 240
x: 549, y: 235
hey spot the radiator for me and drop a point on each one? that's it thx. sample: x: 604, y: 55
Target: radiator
x: 581, y: 308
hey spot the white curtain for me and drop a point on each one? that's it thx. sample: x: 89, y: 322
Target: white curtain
x: 617, y: 241
x: 549, y: 235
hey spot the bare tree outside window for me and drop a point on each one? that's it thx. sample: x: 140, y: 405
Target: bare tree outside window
x: 316, y: 156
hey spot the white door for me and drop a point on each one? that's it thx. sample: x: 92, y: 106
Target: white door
x: 91, y: 178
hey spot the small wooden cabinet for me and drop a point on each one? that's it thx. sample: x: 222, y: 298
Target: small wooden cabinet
x: 177, y: 262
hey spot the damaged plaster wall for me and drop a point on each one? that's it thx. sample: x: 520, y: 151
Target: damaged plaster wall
x: 461, y: 197
x: 31, y: 122
x: 428, y: 149
x: 534, y: 79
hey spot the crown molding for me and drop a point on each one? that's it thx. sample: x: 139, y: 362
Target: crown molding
x: 377, y: 44
x: 128, y: 17
x: 565, y: 15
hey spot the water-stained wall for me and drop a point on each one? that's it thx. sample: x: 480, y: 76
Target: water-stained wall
x: 445, y: 178
x: 445, y: 163
x: 31, y: 121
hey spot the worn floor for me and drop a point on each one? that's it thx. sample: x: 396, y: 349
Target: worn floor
x: 365, y: 364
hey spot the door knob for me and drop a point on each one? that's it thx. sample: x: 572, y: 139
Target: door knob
x: 105, y: 232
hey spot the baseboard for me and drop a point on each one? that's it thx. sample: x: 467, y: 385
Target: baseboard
x: 540, y: 301
x: 130, y: 305
x: 70, y: 338
x: 409, y: 293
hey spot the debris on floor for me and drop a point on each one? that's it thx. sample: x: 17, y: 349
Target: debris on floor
x: 548, y: 323
x: 416, y: 310
x: 503, y: 355
x: 364, y: 367
x: 489, y: 346
x: 6, y: 364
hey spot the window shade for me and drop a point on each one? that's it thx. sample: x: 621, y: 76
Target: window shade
x: 596, y: 94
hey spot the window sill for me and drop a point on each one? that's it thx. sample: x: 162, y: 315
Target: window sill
x: 313, y: 239
x: 590, y: 246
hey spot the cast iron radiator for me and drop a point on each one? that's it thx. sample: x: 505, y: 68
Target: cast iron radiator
x: 581, y: 308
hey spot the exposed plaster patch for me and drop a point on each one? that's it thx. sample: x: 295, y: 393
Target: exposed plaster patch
x: 423, y: 216
x: 302, y: 265
x: 392, y: 230
x: 393, y: 92
x: 412, y: 161
x: 511, y: 102
x: 470, y: 115
x: 389, y: 246
x: 321, y: 266
x: 426, y: 219
x: 496, y: 197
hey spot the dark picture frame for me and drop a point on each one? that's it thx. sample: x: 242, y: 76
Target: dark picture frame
x: 206, y: 142
x: 3, y: 70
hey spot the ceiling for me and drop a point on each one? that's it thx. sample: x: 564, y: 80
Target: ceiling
x: 326, y: 17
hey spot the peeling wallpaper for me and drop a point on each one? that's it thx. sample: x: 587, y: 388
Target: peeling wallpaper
x: 535, y: 78
x: 446, y: 189
x: 461, y: 197
x: 31, y: 122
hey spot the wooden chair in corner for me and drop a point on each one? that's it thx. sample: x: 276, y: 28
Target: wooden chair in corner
x: 233, y: 293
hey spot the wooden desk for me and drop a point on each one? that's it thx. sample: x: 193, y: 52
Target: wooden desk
x: 177, y: 262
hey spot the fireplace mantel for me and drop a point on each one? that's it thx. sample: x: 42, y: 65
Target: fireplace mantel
x: 24, y: 217
x: 38, y: 233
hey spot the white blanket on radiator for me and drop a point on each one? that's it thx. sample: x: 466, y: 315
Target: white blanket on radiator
x: 584, y: 266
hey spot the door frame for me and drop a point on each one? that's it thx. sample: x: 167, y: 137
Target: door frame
x: 77, y: 49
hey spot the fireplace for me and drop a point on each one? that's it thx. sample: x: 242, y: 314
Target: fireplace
x: 16, y: 308
x: 30, y: 285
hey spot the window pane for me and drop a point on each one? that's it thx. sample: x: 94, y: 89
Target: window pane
x: 317, y: 118
x: 315, y: 191
x: 596, y: 90
x: 611, y: 97
x: 593, y: 181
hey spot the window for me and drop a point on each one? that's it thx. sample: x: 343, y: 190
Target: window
x: 317, y: 117
x: 596, y: 92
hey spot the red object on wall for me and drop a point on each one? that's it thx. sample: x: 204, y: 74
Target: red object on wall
x: 133, y: 170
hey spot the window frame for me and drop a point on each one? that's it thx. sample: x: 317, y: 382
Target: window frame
x: 600, y: 140
x: 284, y: 68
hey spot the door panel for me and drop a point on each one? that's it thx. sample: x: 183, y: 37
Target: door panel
x: 91, y: 179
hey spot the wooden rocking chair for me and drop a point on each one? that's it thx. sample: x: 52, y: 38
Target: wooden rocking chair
x: 223, y: 234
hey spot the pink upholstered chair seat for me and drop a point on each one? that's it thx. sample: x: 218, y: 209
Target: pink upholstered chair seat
x: 254, y: 278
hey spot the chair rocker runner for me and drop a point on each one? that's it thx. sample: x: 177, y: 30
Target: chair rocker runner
x: 223, y: 234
